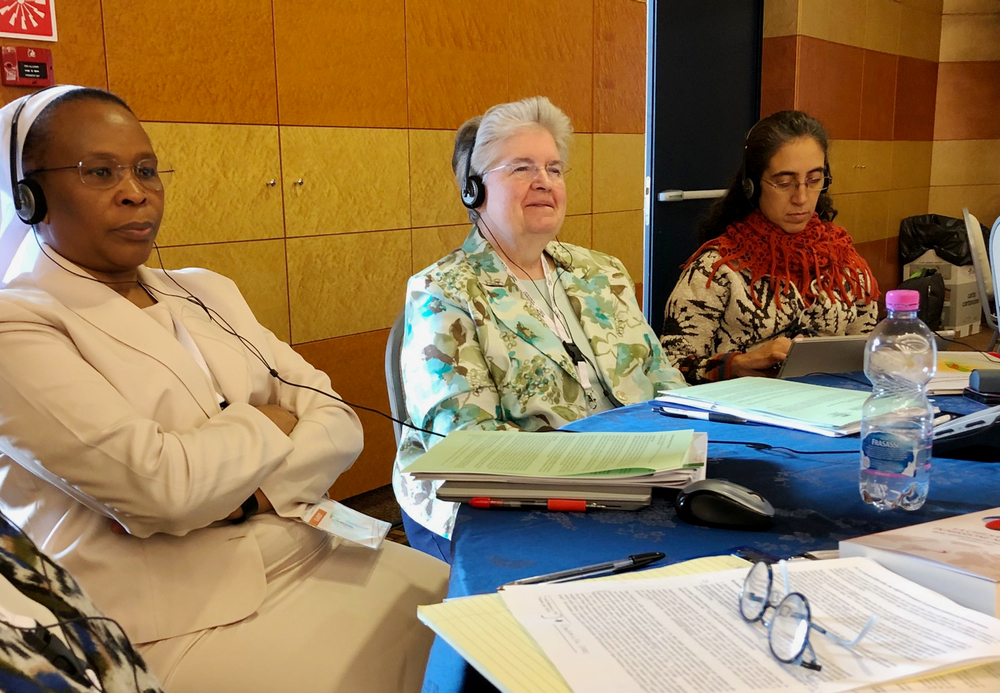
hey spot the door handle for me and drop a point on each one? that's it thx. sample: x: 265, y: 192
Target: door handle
x: 679, y: 195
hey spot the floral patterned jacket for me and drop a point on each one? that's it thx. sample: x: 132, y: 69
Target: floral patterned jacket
x: 478, y: 355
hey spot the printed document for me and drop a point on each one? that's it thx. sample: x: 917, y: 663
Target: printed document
x: 472, y: 455
x: 685, y: 634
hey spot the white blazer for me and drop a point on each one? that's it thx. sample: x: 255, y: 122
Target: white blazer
x: 103, y: 414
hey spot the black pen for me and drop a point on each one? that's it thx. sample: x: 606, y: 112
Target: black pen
x: 699, y: 414
x: 639, y: 560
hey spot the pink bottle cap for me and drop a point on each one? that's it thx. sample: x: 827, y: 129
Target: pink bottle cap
x: 902, y: 299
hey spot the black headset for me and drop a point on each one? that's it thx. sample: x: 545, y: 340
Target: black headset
x: 474, y: 192
x: 29, y: 200
x: 747, y: 184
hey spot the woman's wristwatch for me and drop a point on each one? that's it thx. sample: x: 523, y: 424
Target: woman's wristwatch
x: 249, y: 507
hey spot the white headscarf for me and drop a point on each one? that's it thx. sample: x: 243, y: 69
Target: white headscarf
x: 17, y: 249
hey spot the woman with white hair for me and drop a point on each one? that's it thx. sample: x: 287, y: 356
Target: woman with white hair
x: 515, y: 330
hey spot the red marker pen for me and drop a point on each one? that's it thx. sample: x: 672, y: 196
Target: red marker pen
x: 555, y: 504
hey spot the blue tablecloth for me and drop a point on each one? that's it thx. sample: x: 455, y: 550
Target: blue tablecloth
x: 815, y: 497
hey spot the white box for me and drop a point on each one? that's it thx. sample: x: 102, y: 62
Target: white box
x: 961, y: 295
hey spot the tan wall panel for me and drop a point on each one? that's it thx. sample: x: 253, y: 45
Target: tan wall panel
x: 356, y: 366
x: 579, y: 230
x: 847, y: 205
x: 456, y: 60
x: 430, y: 244
x: 193, y: 61
x: 882, y: 25
x: 258, y: 268
x: 905, y: 203
x: 970, y: 6
x: 619, y: 172
x: 841, y: 21
x: 619, y: 66
x: 870, y: 211
x: 620, y: 234
x: 911, y: 164
x: 341, y: 63
x: 919, y: 34
x: 875, y: 157
x: 932, y: 6
x: 965, y: 162
x: 970, y: 37
x: 982, y: 200
x: 434, y: 194
x: 220, y: 189
x: 781, y: 18
x: 845, y: 167
x: 580, y: 179
x: 78, y: 55
x: 557, y: 64
x: 346, y: 284
x: 353, y: 179
x: 968, y: 101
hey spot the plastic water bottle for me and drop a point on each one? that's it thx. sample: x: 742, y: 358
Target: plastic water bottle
x: 897, y: 420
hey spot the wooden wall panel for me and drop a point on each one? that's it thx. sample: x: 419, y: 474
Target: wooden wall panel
x: 557, y: 64
x: 619, y: 66
x: 355, y: 365
x: 193, y: 61
x: 258, y: 268
x: 341, y: 63
x: 353, y: 179
x: 829, y: 85
x: 220, y: 190
x: 456, y: 60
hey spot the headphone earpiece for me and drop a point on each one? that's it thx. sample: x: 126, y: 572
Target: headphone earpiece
x: 827, y: 177
x: 29, y: 201
x: 747, y: 186
x: 474, y: 192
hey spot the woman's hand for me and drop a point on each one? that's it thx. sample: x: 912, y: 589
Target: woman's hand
x: 762, y: 359
x: 280, y: 417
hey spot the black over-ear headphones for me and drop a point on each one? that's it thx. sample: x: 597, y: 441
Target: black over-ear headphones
x: 474, y: 192
x: 747, y: 183
x: 29, y: 200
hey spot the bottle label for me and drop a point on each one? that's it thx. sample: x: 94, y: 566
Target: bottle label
x: 889, y: 453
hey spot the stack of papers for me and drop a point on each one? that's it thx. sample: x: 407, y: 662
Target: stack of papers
x: 665, y: 458
x: 955, y: 367
x: 829, y: 411
x: 683, y: 633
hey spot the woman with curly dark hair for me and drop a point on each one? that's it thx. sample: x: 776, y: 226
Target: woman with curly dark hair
x: 775, y: 265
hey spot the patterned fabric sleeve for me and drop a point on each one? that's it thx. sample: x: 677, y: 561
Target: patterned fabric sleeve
x: 694, y: 315
x: 449, y: 385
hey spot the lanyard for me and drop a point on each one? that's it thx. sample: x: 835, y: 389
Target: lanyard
x: 556, y: 323
x: 184, y: 337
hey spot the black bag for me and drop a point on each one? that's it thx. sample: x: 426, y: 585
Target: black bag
x: 944, y: 235
x: 930, y: 284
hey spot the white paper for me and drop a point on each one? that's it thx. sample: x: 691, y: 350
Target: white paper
x: 685, y: 634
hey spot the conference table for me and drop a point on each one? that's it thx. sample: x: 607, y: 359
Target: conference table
x: 811, y: 480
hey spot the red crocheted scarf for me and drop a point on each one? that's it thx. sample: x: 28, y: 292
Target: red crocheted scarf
x: 822, y: 253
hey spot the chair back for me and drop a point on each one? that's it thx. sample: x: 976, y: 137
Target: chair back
x: 982, y: 262
x: 393, y: 375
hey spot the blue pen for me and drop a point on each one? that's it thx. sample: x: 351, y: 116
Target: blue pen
x: 698, y: 414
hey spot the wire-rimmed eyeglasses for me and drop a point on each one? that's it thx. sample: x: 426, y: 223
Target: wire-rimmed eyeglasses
x: 104, y: 174
x: 789, y: 627
x: 529, y: 170
x: 812, y: 184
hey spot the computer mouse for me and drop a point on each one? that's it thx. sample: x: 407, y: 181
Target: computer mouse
x: 723, y: 504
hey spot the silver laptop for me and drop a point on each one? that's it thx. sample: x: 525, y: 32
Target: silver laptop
x: 835, y: 354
